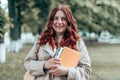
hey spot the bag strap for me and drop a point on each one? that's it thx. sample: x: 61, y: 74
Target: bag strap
x: 37, y: 50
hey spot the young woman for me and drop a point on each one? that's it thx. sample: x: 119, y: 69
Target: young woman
x: 61, y: 30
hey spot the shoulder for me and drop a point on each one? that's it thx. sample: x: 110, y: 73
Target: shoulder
x: 37, y: 40
x: 80, y: 44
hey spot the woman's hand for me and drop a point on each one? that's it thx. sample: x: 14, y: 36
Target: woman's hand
x: 53, y: 61
x: 58, y: 70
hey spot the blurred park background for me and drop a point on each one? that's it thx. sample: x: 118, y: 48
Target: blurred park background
x: 98, y: 24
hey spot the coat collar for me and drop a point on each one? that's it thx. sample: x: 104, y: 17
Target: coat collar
x: 48, y: 49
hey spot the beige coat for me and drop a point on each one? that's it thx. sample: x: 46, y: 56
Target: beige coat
x: 81, y: 72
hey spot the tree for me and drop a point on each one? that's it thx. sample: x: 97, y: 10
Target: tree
x: 90, y: 16
x: 14, y: 14
x: 2, y: 46
x: 2, y: 23
x: 35, y: 14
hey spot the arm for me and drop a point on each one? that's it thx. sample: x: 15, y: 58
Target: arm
x: 82, y: 71
x: 32, y: 65
x: 39, y: 67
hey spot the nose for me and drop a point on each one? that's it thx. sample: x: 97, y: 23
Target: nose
x: 59, y: 21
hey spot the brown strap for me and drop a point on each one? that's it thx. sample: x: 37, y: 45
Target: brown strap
x: 37, y: 50
x: 37, y: 47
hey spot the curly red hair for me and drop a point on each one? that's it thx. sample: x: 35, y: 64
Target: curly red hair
x: 70, y: 37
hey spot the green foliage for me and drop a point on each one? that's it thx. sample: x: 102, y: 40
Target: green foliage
x: 2, y: 23
x: 93, y: 18
x: 44, y: 7
x: 89, y: 15
x: 34, y: 13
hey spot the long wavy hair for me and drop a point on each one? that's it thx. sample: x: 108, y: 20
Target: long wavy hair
x: 71, y: 35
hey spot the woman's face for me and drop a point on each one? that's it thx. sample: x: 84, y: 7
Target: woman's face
x: 59, y: 22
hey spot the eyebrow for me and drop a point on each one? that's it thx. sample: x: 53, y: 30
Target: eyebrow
x: 61, y: 17
x: 57, y: 16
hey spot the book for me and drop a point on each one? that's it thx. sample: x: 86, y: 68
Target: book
x: 69, y: 57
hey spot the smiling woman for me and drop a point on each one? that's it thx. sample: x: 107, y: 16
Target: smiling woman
x: 61, y: 31
x: 59, y: 24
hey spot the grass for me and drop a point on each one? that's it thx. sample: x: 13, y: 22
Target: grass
x: 104, y: 58
x: 105, y: 61
x: 14, y: 69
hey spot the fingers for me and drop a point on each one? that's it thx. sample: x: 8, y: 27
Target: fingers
x: 51, y: 62
x: 58, y: 70
x: 53, y: 69
x: 57, y: 59
x: 56, y: 62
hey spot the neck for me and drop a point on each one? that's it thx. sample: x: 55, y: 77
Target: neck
x: 59, y: 37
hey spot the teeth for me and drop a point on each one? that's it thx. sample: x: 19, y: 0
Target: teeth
x: 59, y: 26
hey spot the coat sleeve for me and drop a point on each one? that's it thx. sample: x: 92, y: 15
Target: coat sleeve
x: 82, y: 71
x: 32, y: 65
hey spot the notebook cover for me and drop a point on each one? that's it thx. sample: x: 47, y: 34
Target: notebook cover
x: 70, y: 57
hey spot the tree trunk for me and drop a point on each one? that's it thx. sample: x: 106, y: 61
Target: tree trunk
x: 15, y: 30
x: 2, y: 53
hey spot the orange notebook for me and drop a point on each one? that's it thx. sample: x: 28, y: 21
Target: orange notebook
x: 69, y: 57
